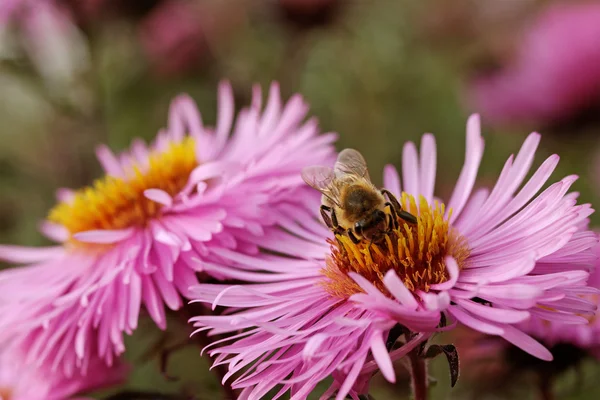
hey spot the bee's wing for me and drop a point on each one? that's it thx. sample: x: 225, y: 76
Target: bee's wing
x: 321, y: 178
x: 351, y: 162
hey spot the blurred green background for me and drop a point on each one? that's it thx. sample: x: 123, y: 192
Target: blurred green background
x: 378, y: 72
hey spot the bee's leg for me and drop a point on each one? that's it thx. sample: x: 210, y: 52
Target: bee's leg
x: 334, y: 220
x: 326, y: 217
x: 331, y: 219
x: 405, y: 215
x: 370, y: 243
x: 393, y: 222
x: 354, y: 239
x: 393, y: 201
x: 338, y: 229
x: 398, y: 208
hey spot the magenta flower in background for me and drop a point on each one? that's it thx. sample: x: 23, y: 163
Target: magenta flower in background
x: 173, y: 36
x: 490, y: 260
x: 19, y: 381
x: 52, y: 41
x: 139, y: 235
x: 554, y: 73
x: 178, y: 36
x: 8, y: 8
x: 54, y: 44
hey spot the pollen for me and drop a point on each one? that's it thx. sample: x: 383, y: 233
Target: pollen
x: 118, y: 203
x: 416, y: 252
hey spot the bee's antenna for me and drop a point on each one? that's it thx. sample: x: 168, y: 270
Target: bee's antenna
x: 370, y: 243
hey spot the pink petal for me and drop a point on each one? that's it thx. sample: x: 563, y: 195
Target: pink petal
x: 350, y: 379
x: 65, y: 195
x: 466, y: 180
x: 382, y: 357
x: 54, y: 232
x: 312, y: 345
x: 26, y: 255
x: 495, y: 314
x: 410, y: 169
x: 159, y: 196
x: 391, y: 180
x: 105, y: 236
x: 226, y: 109
x: 475, y: 323
x: 526, y: 343
x: 109, y: 161
x: 399, y: 291
x: 428, y: 166
x: 184, y: 118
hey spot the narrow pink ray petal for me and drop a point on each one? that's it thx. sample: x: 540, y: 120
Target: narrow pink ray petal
x: 159, y: 196
x: 109, y: 162
x: 106, y: 236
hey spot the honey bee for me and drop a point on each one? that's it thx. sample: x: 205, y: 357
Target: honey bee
x: 350, y: 203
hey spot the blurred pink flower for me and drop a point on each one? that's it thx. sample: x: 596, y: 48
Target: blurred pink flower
x: 173, y: 36
x: 489, y: 260
x: 50, y: 38
x: 555, y: 72
x: 176, y: 36
x: 20, y: 381
x: 140, y: 234
x: 8, y: 8
x: 53, y: 42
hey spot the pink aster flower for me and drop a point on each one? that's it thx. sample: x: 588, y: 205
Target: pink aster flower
x: 139, y: 235
x: 19, y: 381
x: 554, y: 73
x: 492, y: 365
x: 489, y: 259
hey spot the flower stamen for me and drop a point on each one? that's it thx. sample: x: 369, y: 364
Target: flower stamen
x: 118, y: 203
x: 415, y: 252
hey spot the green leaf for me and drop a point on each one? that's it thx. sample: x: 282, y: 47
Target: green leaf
x: 451, y: 355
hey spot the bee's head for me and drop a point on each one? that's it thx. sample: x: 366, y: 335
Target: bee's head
x: 373, y: 226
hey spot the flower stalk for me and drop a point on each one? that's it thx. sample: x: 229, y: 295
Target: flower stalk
x: 418, y: 375
x: 545, y: 387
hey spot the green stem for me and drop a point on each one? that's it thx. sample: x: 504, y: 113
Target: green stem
x: 545, y: 388
x: 202, y: 339
x: 418, y: 373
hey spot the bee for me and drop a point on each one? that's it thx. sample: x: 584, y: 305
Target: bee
x: 350, y: 203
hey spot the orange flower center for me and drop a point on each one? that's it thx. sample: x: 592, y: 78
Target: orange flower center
x: 5, y: 393
x: 415, y: 252
x: 118, y: 203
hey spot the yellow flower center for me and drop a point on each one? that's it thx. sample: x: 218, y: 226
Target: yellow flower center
x: 415, y: 252
x: 118, y: 203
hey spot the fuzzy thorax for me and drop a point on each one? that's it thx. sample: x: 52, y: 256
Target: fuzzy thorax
x: 415, y: 252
